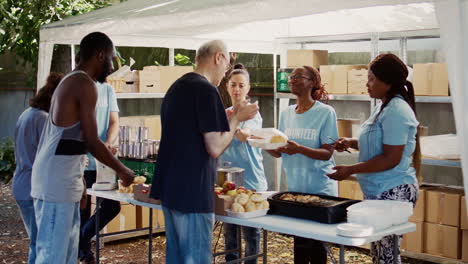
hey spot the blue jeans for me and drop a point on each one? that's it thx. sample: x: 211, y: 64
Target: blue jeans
x: 58, y: 230
x: 188, y: 237
x: 251, y: 237
x: 29, y: 219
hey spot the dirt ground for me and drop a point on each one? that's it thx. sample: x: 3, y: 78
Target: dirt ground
x: 14, y: 243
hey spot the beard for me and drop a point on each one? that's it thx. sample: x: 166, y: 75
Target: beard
x: 102, y: 77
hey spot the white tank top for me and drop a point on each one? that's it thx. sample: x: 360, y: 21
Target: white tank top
x: 58, y: 168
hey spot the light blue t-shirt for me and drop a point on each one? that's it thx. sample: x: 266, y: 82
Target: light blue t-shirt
x: 106, y: 103
x: 244, y: 156
x: 310, y: 129
x: 396, y: 125
x: 27, y: 134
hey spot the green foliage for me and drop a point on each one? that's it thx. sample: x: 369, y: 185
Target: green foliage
x: 21, y: 20
x: 7, y: 160
x: 183, y: 60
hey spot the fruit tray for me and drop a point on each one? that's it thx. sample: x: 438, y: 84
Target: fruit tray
x: 330, y: 211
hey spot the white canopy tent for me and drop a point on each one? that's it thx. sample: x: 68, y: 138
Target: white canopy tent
x: 265, y: 26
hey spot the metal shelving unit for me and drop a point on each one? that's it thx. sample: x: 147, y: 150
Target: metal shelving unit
x: 425, y: 160
x: 366, y: 98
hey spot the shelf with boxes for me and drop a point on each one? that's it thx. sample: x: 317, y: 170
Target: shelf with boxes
x: 151, y: 82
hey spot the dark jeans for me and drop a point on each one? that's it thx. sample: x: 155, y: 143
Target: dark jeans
x: 109, y: 209
x: 251, y: 237
x: 309, y: 251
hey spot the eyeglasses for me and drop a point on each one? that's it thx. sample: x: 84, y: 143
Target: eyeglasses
x: 297, y: 77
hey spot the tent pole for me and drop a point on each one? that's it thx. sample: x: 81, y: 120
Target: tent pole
x: 72, y: 51
x: 171, y: 56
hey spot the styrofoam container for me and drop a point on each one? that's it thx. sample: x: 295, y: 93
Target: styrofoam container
x: 252, y: 214
x: 265, y: 144
x: 380, y: 214
x: 354, y: 230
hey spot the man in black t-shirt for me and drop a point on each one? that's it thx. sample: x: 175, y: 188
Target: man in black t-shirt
x: 195, y: 132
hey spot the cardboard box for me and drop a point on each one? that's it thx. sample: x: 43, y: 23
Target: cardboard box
x: 430, y: 79
x: 443, y: 206
x: 414, y: 241
x: 223, y: 202
x: 464, y: 245
x: 153, y: 122
x: 335, y: 77
x: 350, y: 189
x: 158, y: 79
x: 418, y: 210
x: 143, y: 217
x: 463, y: 214
x: 442, y: 240
x: 314, y: 58
x: 125, y: 220
x: 357, y: 80
x: 347, y: 126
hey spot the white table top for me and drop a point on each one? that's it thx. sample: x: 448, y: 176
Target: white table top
x: 281, y: 224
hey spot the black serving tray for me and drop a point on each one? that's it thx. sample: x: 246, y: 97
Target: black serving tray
x: 328, y: 214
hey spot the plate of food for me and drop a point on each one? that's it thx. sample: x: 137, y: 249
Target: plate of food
x: 249, y: 206
x: 268, y: 138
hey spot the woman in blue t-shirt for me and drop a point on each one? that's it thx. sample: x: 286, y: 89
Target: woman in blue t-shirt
x: 388, y: 144
x: 307, y: 158
x: 242, y: 155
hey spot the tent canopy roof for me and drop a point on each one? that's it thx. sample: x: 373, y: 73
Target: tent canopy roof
x: 246, y: 25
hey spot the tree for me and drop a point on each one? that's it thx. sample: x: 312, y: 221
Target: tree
x: 21, y: 20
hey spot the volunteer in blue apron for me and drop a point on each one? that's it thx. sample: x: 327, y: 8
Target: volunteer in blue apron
x: 242, y: 155
x: 307, y: 159
x: 388, y: 144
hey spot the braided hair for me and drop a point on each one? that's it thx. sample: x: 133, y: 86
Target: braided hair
x: 318, y: 91
x: 389, y: 69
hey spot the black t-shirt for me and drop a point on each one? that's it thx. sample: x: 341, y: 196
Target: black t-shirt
x: 185, y: 173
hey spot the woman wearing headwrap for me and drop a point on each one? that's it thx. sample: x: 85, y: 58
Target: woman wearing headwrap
x: 389, y: 155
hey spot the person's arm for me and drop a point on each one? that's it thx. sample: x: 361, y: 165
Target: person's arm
x: 112, y: 131
x: 389, y: 159
x: 343, y: 144
x: 217, y: 142
x: 323, y: 153
x: 87, y: 104
x: 396, y: 123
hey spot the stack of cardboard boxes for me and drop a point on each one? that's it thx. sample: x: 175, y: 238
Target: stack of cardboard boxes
x: 131, y: 217
x: 440, y: 217
x: 464, y: 228
x: 152, y: 79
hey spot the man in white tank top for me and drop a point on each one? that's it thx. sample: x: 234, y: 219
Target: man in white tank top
x: 69, y: 133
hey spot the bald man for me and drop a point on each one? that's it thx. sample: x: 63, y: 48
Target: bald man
x: 195, y: 132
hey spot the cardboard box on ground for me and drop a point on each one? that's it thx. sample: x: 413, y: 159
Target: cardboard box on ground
x: 125, y: 220
x: 414, y: 241
x: 131, y: 217
x: 314, y: 58
x: 442, y: 240
x: 153, y: 122
x: 158, y: 79
x: 430, y: 79
x: 335, y: 77
x: 464, y: 245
